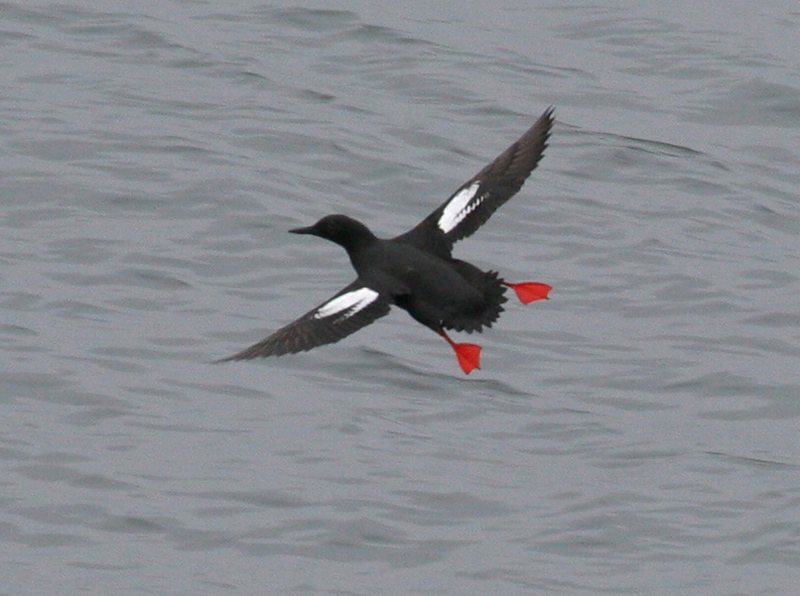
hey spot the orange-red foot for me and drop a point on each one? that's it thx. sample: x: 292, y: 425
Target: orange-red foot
x: 468, y: 355
x: 529, y: 291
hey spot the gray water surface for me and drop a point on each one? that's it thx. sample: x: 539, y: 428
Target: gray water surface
x: 637, y: 434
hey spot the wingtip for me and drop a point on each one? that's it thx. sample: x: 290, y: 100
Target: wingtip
x: 548, y: 118
x: 546, y: 121
x: 235, y: 357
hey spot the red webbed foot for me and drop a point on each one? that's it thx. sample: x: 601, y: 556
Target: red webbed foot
x: 468, y: 355
x: 529, y: 291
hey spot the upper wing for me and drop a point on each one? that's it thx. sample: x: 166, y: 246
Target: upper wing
x: 475, y: 201
x: 355, y: 307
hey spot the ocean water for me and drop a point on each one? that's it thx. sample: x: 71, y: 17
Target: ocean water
x: 636, y: 434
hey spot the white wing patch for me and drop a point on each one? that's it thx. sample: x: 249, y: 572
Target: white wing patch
x: 459, y: 207
x: 348, y: 304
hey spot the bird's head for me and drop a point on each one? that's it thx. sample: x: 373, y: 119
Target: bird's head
x: 342, y: 230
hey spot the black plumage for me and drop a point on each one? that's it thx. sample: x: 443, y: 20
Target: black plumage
x: 415, y: 270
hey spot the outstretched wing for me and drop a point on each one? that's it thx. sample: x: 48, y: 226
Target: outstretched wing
x: 475, y: 201
x: 355, y: 307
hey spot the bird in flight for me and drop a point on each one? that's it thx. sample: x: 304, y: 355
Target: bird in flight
x: 416, y: 270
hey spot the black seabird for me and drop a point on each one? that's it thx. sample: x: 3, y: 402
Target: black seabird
x: 416, y: 270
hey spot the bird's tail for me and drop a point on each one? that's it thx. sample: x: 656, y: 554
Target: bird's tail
x: 490, y: 285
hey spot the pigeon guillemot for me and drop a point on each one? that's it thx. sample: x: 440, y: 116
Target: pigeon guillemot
x: 415, y: 270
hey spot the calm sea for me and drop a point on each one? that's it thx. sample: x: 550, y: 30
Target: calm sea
x: 638, y: 434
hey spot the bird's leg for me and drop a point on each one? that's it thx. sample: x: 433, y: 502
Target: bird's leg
x: 469, y: 355
x: 528, y: 291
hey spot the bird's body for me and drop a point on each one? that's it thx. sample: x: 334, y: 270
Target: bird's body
x: 415, y: 270
x: 449, y: 293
